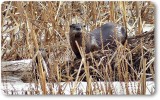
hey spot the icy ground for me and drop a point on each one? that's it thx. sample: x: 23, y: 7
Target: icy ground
x: 118, y: 88
x: 17, y: 87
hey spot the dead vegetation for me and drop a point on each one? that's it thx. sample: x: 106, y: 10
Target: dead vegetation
x: 27, y: 27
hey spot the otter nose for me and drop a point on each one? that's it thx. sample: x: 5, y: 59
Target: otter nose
x: 78, y: 29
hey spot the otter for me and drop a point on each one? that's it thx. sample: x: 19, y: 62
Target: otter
x: 75, y: 34
x: 103, y: 36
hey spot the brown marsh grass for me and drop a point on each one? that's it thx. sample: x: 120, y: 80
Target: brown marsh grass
x: 27, y: 26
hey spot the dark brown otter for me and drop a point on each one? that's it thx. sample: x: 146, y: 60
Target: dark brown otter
x: 103, y: 36
x: 75, y: 34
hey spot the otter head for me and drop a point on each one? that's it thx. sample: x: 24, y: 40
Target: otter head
x: 76, y: 29
x: 75, y: 35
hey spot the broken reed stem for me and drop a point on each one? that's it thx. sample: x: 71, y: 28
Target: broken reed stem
x: 138, y: 15
x: 143, y: 78
x: 94, y: 11
x: 112, y: 12
x: 86, y: 69
x: 124, y: 13
x: 39, y: 67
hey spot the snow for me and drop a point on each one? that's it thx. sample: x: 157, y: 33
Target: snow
x: 21, y: 65
x: 19, y: 61
x: 118, y: 88
x: 15, y: 87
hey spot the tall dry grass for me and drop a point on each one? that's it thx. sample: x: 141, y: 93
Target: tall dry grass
x: 28, y: 26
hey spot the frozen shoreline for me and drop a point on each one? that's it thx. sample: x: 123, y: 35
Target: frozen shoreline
x: 118, y: 88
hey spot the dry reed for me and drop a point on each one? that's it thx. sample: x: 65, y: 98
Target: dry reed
x: 28, y: 26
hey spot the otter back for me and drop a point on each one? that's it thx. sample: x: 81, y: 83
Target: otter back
x: 106, y: 34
